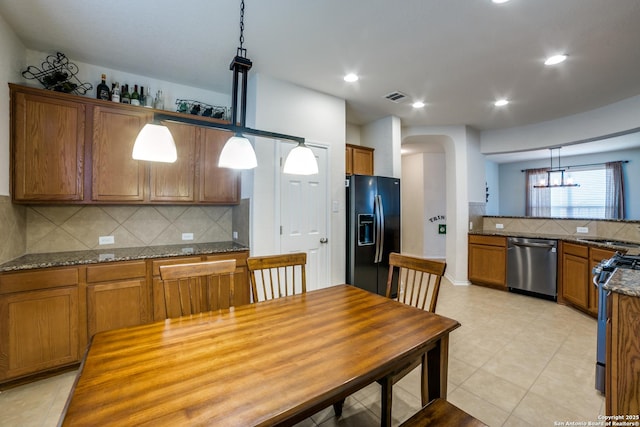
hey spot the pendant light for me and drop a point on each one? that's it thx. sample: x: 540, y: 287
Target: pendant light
x: 301, y: 161
x: 155, y: 143
x: 553, y: 183
x: 238, y: 152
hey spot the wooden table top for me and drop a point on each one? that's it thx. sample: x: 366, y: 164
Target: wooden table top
x: 277, y: 361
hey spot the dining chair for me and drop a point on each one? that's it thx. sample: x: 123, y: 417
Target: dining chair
x: 275, y: 276
x: 418, y: 284
x: 197, y: 287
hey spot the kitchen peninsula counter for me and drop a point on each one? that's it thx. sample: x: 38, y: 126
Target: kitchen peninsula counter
x: 624, y: 281
x: 76, y: 258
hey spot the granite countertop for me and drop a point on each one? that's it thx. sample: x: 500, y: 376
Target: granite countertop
x: 624, y: 281
x: 60, y: 259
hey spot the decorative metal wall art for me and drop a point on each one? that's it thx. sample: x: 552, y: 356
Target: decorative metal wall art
x: 198, y: 108
x: 58, y: 74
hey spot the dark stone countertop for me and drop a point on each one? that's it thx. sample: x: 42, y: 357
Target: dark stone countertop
x: 61, y: 259
x: 624, y: 281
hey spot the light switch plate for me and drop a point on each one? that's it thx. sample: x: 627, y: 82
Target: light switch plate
x: 582, y: 229
x: 187, y: 236
x: 106, y: 240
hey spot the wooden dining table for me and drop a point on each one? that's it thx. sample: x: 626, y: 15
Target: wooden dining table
x: 275, y: 362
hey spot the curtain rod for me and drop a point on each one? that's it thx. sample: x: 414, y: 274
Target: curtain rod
x: 579, y: 166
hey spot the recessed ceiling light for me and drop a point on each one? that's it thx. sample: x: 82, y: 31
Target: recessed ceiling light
x: 499, y: 1
x: 351, y: 77
x: 501, y: 102
x: 555, y: 59
x: 418, y: 104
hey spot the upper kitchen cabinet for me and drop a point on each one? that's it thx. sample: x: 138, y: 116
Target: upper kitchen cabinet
x: 116, y: 177
x: 359, y: 160
x: 47, y: 147
x: 216, y: 185
x: 72, y: 149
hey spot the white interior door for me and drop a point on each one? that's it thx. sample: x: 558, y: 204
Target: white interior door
x: 304, y: 211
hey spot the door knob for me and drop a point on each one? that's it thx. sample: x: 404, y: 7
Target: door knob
x: 324, y: 240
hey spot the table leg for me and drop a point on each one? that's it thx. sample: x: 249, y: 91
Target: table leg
x: 386, y: 398
x: 434, y: 371
x: 337, y: 408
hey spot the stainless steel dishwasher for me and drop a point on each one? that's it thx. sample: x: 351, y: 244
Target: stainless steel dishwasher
x: 532, y: 266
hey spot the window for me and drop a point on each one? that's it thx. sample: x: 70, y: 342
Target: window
x: 600, y: 194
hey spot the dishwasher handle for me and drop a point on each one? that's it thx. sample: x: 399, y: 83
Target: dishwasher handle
x: 534, y: 245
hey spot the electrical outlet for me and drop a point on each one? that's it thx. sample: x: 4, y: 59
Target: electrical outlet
x: 235, y: 235
x: 106, y: 240
x: 500, y: 226
x: 187, y: 236
x: 582, y: 229
x: 470, y: 225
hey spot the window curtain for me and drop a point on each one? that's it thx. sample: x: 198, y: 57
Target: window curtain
x: 614, y: 198
x: 538, y: 200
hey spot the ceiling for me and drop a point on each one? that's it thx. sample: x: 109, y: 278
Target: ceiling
x: 457, y: 56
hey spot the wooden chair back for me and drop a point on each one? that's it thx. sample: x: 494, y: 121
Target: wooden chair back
x: 418, y: 280
x: 197, y: 287
x: 276, y: 276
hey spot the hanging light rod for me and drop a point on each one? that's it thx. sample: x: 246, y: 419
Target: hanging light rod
x: 228, y: 127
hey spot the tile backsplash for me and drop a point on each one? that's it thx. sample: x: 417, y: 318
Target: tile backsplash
x: 70, y: 228
x: 607, y: 229
x: 12, y: 229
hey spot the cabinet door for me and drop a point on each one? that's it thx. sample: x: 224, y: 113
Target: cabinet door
x: 362, y: 161
x: 117, y: 296
x: 216, y: 185
x: 38, y: 330
x: 175, y: 182
x: 575, y: 279
x: 116, y: 176
x: 47, y: 147
x: 488, y: 265
x: 348, y: 161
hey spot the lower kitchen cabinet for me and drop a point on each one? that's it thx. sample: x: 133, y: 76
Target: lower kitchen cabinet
x: 488, y: 260
x: 622, y: 396
x: 117, y: 296
x: 576, y: 287
x: 39, y: 321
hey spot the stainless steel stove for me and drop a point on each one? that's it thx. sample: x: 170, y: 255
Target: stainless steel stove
x: 602, y: 273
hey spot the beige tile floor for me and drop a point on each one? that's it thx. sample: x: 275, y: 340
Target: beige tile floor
x: 516, y: 361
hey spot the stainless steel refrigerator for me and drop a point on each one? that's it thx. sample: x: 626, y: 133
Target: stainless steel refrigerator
x: 373, y: 230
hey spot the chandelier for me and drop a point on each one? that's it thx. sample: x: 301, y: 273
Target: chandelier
x: 555, y: 176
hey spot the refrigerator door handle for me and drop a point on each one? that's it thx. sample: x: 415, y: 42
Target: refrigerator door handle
x: 379, y: 210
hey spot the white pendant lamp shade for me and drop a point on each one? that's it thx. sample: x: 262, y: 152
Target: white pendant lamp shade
x: 238, y: 153
x: 301, y: 161
x: 155, y: 143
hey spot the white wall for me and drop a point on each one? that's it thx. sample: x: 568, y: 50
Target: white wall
x: 286, y: 108
x: 493, y: 182
x: 435, y: 204
x: 353, y: 134
x: 615, y: 118
x: 12, y: 52
x: 412, y: 210
x: 385, y: 136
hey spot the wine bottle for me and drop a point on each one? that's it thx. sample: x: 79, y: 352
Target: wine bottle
x: 159, y: 105
x: 115, y: 94
x: 135, y: 96
x: 142, y: 95
x: 102, y: 91
x: 148, y: 100
x: 125, y: 96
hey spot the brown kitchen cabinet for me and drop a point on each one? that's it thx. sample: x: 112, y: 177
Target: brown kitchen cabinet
x: 488, y: 260
x: 71, y: 149
x: 576, y: 265
x: 116, y: 176
x: 47, y: 148
x: 39, y: 321
x: 359, y: 160
x: 240, y: 278
x: 117, y: 296
x: 622, y: 396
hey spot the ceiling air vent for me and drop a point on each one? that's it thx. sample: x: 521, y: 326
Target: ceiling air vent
x: 396, y: 97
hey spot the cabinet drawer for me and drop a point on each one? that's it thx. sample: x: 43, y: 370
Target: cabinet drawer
x: 488, y: 240
x: 117, y: 271
x: 37, y: 279
x: 577, y: 250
